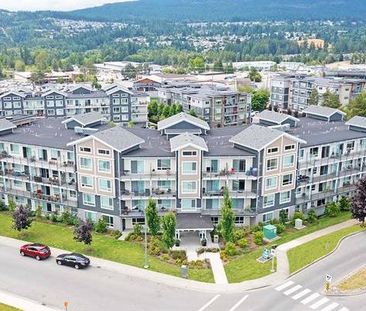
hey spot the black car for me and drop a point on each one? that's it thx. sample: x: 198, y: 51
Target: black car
x: 75, y: 260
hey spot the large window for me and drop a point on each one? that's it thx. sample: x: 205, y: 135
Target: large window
x: 239, y: 165
x: 189, y: 168
x: 88, y: 199
x: 314, y: 152
x: 288, y: 161
x: 104, y: 166
x: 91, y: 216
x: 285, y: 197
x: 105, y: 184
x: 164, y: 184
x: 86, y: 163
x: 189, y: 187
x: 272, y: 164
x: 106, y: 203
x: 268, y: 201
x: 108, y: 220
x: 271, y: 183
x: 87, y: 181
x: 137, y: 167
x: 286, y: 179
x: 163, y: 164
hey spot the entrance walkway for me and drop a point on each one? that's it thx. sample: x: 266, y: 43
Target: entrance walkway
x: 217, y: 268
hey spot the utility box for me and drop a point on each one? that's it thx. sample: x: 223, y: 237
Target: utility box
x: 298, y: 224
x: 270, y: 232
x: 184, y: 271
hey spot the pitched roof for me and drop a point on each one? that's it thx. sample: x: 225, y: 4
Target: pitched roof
x: 185, y: 140
x: 6, y: 125
x: 86, y: 118
x: 258, y: 137
x: 116, y: 137
x: 322, y: 111
x: 357, y: 122
x: 118, y: 88
x: 275, y: 117
x: 181, y: 117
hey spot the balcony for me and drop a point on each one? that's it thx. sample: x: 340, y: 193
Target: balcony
x: 127, y: 175
x: 154, y: 193
x: 232, y: 193
x: 231, y: 174
x: 139, y: 212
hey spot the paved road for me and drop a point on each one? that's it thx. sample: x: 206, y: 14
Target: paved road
x: 98, y: 289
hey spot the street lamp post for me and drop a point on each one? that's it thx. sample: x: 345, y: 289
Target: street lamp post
x: 146, y: 265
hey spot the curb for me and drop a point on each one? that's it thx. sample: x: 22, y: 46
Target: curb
x: 326, y: 255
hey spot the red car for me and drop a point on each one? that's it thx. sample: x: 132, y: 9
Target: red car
x: 37, y: 251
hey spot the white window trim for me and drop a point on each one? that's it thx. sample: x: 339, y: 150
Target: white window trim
x: 163, y: 169
x: 86, y: 186
x: 83, y: 151
x: 193, y: 173
x: 292, y: 180
x: 269, y: 205
x: 103, y: 154
x: 274, y: 187
x: 86, y: 168
x: 88, y: 204
x: 278, y: 150
x: 272, y: 169
x: 110, y: 208
x: 104, y: 190
x: 189, y: 192
x: 287, y: 200
x: 108, y: 216
x: 187, y: 156
x: 293, y: 147
x: 288, y: 155
x: 101, y: 171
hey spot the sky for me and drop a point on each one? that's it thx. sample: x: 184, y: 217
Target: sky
x: 59, y: 5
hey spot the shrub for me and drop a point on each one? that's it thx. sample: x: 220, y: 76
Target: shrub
x: 100, y: 226
x: 11, y: 205
x: 3, y: 206
x: 230, y: 249
x: 312, y: 217
x: 116, y: 234
x: 274, y: 221
x: 178, y: 254
x: 54, y: 217
x: 239, y: 234
x: 283, y: 217
x: 280, y: 228
x: 258, y: 237
x: 130, y: 237
x: 67, y: 218
x: 154, y: 247
x: 38, y: 212
x: 199, y: 264
x: 257, y: 227
x: 223, y: 256
x: 344, y: 203
x: 242, y: 243
x: 297, y: 215
x: 137, y: 229
x: 165, y: 257
x: 332, y: 209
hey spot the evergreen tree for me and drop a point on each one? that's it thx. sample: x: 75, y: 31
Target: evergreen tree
x: 169, y: 224
x: 152, y: 217
x: 227, y: 218
x: 331, y: 100
x: 314, y: 97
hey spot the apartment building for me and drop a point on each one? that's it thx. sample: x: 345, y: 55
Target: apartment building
x: 289, y: 91
x: 217, y: 105
x: 115, y: 103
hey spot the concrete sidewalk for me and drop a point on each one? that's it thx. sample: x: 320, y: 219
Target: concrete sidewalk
x: 217, y: 268
x: 279, y: 276
x: 23, y: 303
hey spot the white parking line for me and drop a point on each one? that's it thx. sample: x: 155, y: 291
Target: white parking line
x: 239, y: 303
x: 209, y: 303
x: 331, y: 307
x: 319, y: 303
x: 301, y: 294
x: 292, y: 290
x: 343, y: 309
x: 310, y: 298
x: 283, y: 286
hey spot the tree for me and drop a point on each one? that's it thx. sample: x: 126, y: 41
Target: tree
x: 37, y: 77
x: 22, y: 218
x: 331, y: 100
x: 357, y: 107
x: 153, y: 108
x: 152, y: 217
x: 332, y: 209
x: 314, y: 97
x: 179, y: 108
x: 359, y: 201
x: 130, y: 124
x: 192, y: 112
x: 169, y: 224
x: 130, y: 71
x: 101, y: 226
x: 344, y: 203
x: 254, y: 75
x: 95, y: 83
x: 260, y: 100
x: 12, y: 205
x: 283, y: 217
x: 227, y: 218
x: 218, y: 66
x: 19, y: 65
x: 83, y: 232
x: 41, y: 60
x: 166, y: 111
x: 197, y: 64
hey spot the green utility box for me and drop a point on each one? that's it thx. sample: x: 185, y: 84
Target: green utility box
x: 270, y: 232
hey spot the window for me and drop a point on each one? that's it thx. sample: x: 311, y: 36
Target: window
x: 286, y: 179
x: 239, y: 165
x: 272, y: 150
x: 14, y: 149
x: 103, y: 152
x: 189, y: 187
x: 163, y: 164
x: 268, y: 201
x: 85, y: 149
x: 104, y: 166
x: 189, y: 168
x: 86, y: 163
x: 91, y: 216
x: 285, y: 197
x: 108, y: 220
x: 124, y: 117
x: 164, y: 184
x: 86, y: 181
x: 288, y: 161
x: 187, y: 204
x: 89, y: 199
x: 267, y: 217
x: 289, y: 147
x: 116, y: 110
x: 105, y: 184
x: 213, y: 204
x: 272, y: 164
x: 18, y: 184
x: 239, y: 220
x: 189, y: 153
x: 314, y: 152
x: 165, y: 204
x: 138, y: 221
x: 271, y: 182
x: 106, y: 203
x: 137, y: 167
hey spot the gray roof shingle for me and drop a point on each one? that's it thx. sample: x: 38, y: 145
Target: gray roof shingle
x: 275, y: 117
x: 357, y: 122
x: 86, y: 118
x: 6, y: 125
x: 185, y: 139
x: 322, y: 111
x: 180, y: 117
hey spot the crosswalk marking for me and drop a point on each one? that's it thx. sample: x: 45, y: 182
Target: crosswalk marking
x: 319, y: 303
x: 283, y: 286
x: 331, y: 307
x: 292, y: 290
x: 343, y: 309
x: 238, y: 303
x: 301, y: 294
x: 310, y: 298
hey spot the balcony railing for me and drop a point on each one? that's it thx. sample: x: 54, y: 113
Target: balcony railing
x: 127, y: 175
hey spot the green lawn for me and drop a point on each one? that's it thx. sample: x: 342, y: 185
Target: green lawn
x: 103, y: 246
x: 7, y: 308
x: 305, y: 254
x: 246, y: 267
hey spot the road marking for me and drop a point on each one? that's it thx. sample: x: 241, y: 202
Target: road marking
x: 331, y: 307
x: 343, y: 309
x: 239, y: 303
x: 209, y: 303
x: 310, y: 298
x: 292, y: 290
x: 301, y: 294
x: 283, y: 286
x: 319, y: 303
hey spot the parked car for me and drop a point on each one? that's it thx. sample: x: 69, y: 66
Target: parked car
x: 75, y: 260
x: 35, y: 250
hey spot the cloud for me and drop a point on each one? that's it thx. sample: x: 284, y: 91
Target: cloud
x: 55, y: 5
